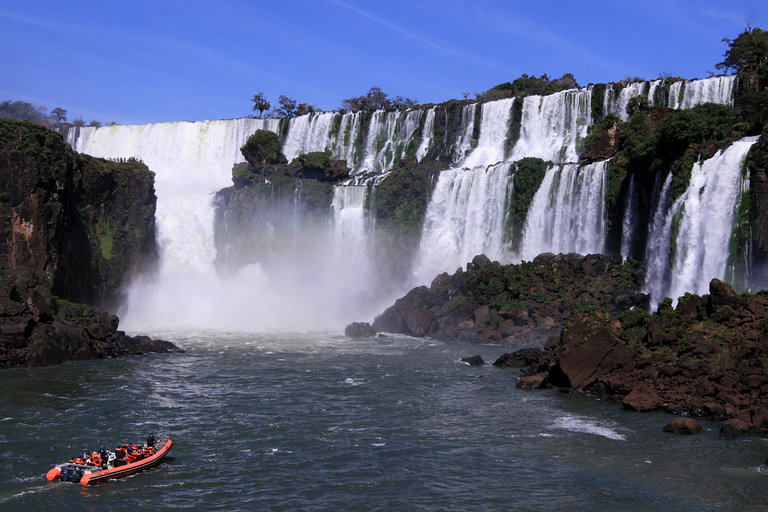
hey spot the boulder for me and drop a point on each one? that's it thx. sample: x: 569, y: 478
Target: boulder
x: 734, y: 428
x: 359, y: 330
x: 473, y: 360
x: 532, y: 381
x: 520, y: 359
x: 642, y: 398
x: 683, y: 426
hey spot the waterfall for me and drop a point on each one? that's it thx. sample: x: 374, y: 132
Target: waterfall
x: 689, y: 93
x: 706, y: 218
x: 464, y: 218
x: 567, y: 213
x: 427, y: 135
x: 554, y: 127
x: 629, y: 221
x: 618, y: 106
x: 493, y: 134
x: 308, y: 133
x: 191, y: 161
x: 465, y: 140
x: 689, y: 241
x: 658, y: 244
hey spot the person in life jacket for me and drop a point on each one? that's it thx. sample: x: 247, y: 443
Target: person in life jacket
x: 151, y: 441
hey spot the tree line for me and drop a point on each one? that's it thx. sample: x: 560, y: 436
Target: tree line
x: 25, y: 111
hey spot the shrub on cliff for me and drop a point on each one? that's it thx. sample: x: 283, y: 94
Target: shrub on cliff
x: 263, y: 148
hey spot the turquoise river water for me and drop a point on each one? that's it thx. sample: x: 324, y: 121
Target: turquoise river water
x: 315, y: 421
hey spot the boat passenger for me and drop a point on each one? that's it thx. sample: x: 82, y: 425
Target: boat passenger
x: 151, y: 441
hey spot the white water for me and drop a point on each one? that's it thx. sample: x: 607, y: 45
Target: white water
x: 464, y: 218
x: 705, y: 217
x: 465, y: 141
x: 567, y: 213
x: 191, y: 162
x: 629, y: 221
x: 689, y: 93
x: 493, y: 134
x: 707, y: 211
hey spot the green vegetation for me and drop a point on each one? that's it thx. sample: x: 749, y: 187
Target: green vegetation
x: 528, y: 175
x: 263, y: 147
x: 376, y: 99
x: 529, y: 85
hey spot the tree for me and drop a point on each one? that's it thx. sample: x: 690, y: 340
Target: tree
x: 95, y: 124
x: 287, y: 107
x: 59, y: 115
x: 23, y: 110
x: 376, y: 99
x: 78, y: 121
x: 260, y: 103
x: 747, y: 56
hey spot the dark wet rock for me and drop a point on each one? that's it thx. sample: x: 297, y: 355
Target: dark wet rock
x: 704, y: 358
x: 643, y: 398
x: 359, y: 330
x: 520, y: 359
x: 532, y: 381
x: 473, y: 360
x: 515, y: 305
x: 734, y: 428
x: 683, y: 426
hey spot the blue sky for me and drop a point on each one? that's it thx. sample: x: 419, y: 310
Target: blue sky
x: 142, y: 61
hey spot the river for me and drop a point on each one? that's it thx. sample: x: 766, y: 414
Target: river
x: 316, y: 421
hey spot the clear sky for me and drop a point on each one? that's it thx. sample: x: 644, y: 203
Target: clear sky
x: 145, y: 61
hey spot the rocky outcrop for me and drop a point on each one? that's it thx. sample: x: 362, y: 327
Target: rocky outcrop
x: 519, y: 305
x: 80, y: 224
x: 38, y: 329
x: 75, y: 228
x: 359, y: 330
x: 707, y: 357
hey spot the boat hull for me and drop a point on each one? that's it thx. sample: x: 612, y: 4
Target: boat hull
x: 91, y: 477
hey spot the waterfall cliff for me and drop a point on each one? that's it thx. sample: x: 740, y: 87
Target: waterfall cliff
x: 475, y: 147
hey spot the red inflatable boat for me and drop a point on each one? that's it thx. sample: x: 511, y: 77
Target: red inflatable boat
x: 100, y: 466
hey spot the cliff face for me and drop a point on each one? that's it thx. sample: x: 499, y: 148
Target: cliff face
x: 75, y: 227
x: 79, y: 224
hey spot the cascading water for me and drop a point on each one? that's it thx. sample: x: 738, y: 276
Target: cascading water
x: 464, y: 218
x: 567, y: 213
x: 628, y: 222
x: 192, y: 161
x: 465, y: 140
x: 688, y: 94
x: 554, y: 127
x: 704, y: 219
x: 618, y: 105
x: 427, y: 135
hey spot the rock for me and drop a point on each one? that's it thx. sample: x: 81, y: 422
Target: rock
x: 643, y: 398
x: 683, y: 426
x: 473, y: 360
x: 520, y: 359
x: 532, y: 381
x: 518, y: 305
x: 734, y: 428
x: 588, y: 350
x: 479, y: 262
x: 359, y: 330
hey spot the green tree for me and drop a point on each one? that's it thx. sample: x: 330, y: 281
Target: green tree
x: 24, y: 111
x: 95, y: 124
x: 747, y: 55
x: 260, y: 103
x: 287, y: 107
x: 78, y: 121
x: 376, y: 99
x: 59, y: 115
